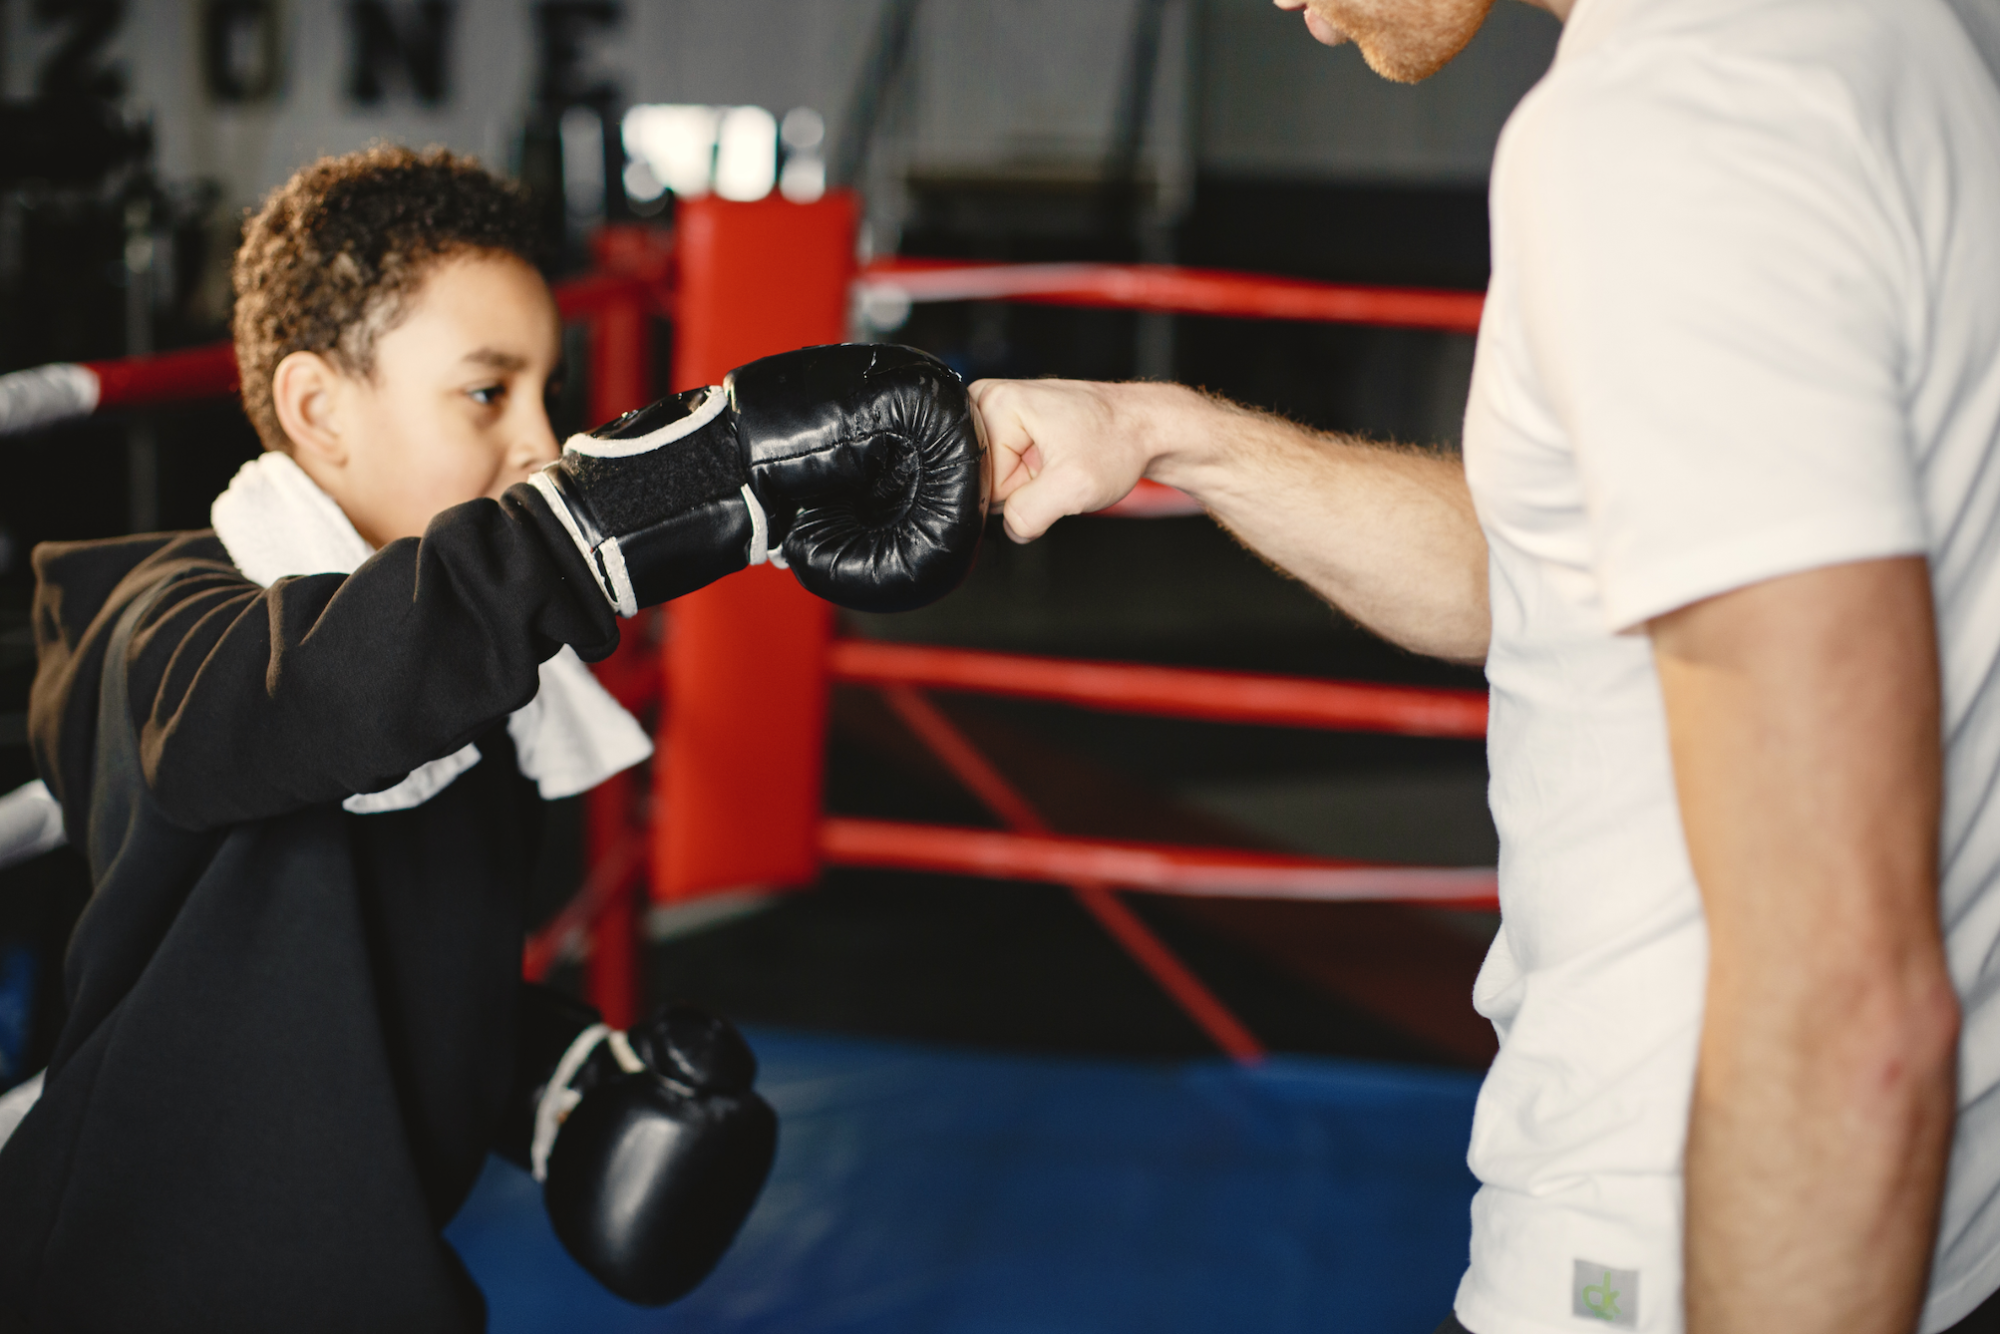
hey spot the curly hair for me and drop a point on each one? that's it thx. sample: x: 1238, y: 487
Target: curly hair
x: 330, y: 262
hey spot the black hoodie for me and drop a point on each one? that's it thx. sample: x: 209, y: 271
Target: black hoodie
x: 289, y: 1026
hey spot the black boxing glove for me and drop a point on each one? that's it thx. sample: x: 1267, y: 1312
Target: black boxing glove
x: 651, y: 1145
x: 859, y: 466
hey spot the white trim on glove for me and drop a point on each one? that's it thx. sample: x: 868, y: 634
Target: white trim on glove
x: 559, y: 1099
x: 619, y: 592
x: 705, y: 412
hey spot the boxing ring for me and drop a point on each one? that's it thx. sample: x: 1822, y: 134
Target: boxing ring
x: 740, y: 672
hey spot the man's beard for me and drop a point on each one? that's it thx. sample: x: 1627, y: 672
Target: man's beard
x: 1408, y: 40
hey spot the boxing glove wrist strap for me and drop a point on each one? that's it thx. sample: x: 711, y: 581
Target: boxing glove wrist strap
x: 676, y: 459
x: 559, y: 1099
x: 761, y: 550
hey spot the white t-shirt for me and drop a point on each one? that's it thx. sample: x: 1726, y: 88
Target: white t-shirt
x: 1744, y: 321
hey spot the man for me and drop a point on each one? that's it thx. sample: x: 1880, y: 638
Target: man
x: 1726, y: 536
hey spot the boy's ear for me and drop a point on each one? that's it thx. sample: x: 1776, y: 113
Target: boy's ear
x: 306, y: 392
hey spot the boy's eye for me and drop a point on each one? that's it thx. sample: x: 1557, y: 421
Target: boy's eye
x: 487, y: 395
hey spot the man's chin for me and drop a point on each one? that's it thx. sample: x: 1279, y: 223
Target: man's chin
x: 1410, y: 53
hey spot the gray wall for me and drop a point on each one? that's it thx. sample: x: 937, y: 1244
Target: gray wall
x: 996, y: 86
x: 1275, y: 103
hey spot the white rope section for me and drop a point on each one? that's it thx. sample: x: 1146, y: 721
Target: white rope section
x: 44, y: 395
x: 31, y: 824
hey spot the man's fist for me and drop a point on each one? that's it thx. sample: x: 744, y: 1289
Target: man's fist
x: 1062, y: 447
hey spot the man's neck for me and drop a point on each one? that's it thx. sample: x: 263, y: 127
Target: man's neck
x: 1560, y: 8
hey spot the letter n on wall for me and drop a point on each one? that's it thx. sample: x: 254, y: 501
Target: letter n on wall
x: 391, y: 46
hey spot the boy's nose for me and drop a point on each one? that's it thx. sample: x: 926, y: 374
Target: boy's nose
x: 537, y: 446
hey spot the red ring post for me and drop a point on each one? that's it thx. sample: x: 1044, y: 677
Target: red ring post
x: 740, y: 765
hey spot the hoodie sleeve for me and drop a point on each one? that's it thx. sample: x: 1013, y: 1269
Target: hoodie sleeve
x: 252, y: 702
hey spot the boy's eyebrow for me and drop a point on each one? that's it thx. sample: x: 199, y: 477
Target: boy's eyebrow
x: 498, y: 360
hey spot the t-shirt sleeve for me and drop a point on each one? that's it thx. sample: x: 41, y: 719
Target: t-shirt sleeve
x: 1714, y: 291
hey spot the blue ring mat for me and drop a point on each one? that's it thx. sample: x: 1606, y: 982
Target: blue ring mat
x: 955, y: 1192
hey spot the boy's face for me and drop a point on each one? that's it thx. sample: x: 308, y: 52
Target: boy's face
x: 454, y: 410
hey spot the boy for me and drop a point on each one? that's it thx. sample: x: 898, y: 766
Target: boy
x: 305, y: 796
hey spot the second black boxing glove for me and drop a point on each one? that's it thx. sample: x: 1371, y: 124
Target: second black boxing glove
x: 859, y: 466
x: 651, y: 1145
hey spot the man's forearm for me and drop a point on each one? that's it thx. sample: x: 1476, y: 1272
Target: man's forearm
x: 1813, y: 1187
x: 1387, y: 535
x: 1803, y: 714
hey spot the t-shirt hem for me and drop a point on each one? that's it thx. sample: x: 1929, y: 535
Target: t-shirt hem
x: 1683, y: 577
x: 1481, y: 1318
x: 1940, y: 1314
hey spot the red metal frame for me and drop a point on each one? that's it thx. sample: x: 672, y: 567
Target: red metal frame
x: 988, y: 784
x: 1172, y: 692
x: 1158, y: 868
x: 166, y: 377
x: 1169, y: 289
x: 621, y: 366
x: 741, y: 755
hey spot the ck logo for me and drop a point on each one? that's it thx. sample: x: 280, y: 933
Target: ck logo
x: 1599, y: 1292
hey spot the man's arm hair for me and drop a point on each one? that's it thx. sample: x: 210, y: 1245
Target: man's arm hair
x: 1387, y: 535
x: 1803, y: 714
